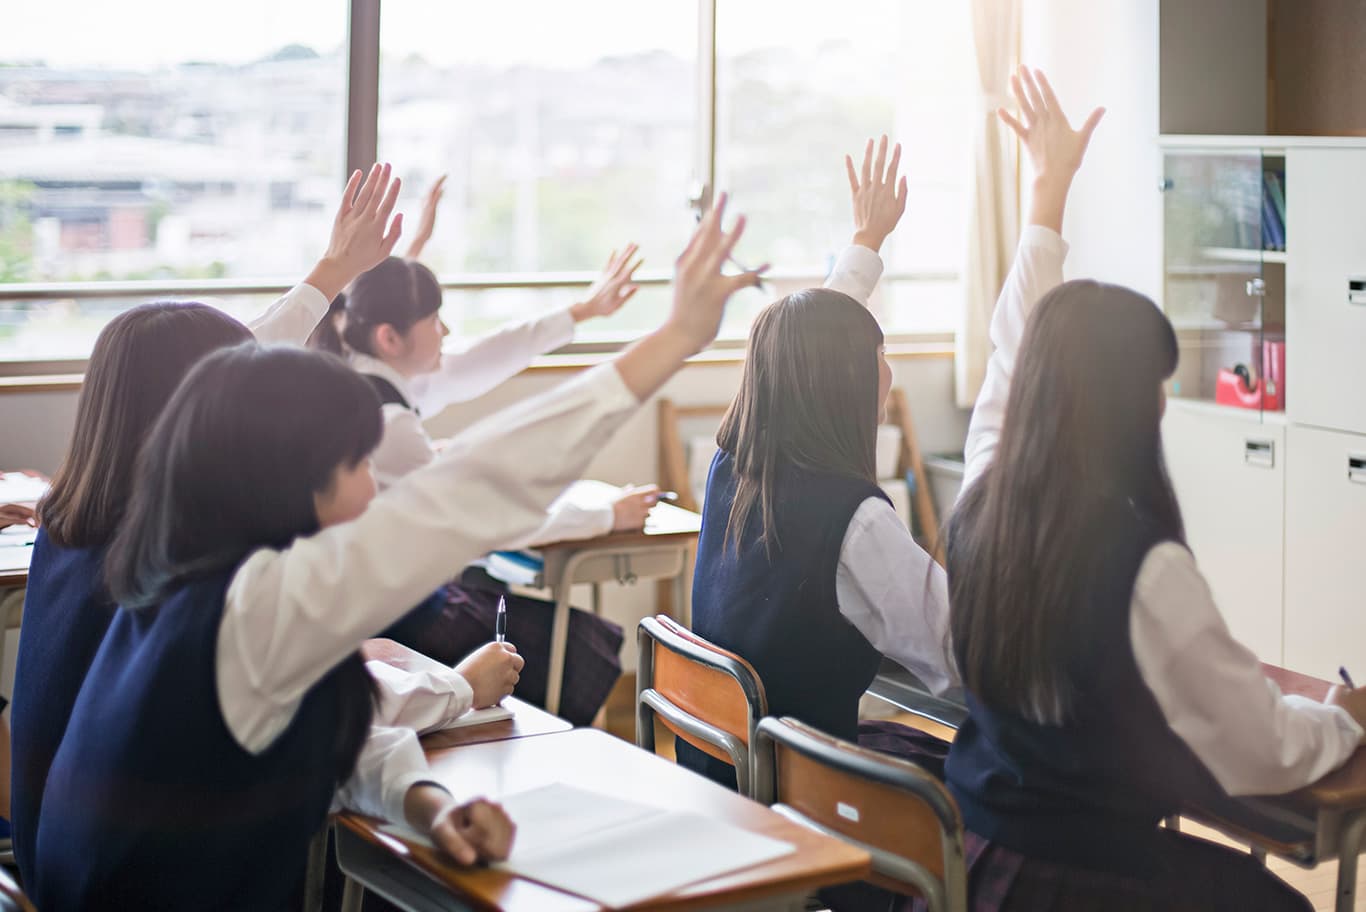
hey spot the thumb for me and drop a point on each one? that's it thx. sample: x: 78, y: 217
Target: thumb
x: 1090, y: 126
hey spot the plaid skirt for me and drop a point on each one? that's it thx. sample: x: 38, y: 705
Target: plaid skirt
x: 459, y: 618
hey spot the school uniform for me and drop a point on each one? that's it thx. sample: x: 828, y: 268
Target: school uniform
x: 847, y: 586
x: 227, y: 683
x: 460, y: 617
x: 1066, y: 816
x: 67, y: 613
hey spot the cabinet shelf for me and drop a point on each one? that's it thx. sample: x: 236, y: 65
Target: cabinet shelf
x: 1242, y: 255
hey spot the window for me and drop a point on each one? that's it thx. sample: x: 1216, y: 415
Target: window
x: 560, y: 142
x: 218, y: 155
x: 214, y: 155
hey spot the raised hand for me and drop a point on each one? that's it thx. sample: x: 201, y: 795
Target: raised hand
x: 700, y: 289
x: 426, y: 223
x: 879, y: 199
x: 612, y: 289
x: 1055, y: 149
x: 362, y: 234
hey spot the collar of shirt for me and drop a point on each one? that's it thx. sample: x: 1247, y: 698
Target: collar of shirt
x: 368, y: 364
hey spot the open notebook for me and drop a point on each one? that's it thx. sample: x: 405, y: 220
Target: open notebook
x: 616, y: 852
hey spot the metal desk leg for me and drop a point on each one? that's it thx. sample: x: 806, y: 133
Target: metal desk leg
x: 559, y: 635
x: 1349, y: 847
x: 353, y: 896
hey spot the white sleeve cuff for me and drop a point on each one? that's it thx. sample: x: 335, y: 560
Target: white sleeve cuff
x: 1047, y: 238
x: 856, y: 273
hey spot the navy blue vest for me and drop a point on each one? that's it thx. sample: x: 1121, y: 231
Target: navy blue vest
x: 151, y: 803
x: 1091, y: 791
x: 65, y: 616
x: 781, y: 615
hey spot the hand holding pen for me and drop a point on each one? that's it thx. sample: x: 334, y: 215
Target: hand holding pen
x: 1350, y: 699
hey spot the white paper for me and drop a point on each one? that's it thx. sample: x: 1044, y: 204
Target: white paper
x: 16, y: 487
x: 617, y: 852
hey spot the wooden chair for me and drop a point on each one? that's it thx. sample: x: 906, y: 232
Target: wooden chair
x: 709, y: 697
x: 894, y: 810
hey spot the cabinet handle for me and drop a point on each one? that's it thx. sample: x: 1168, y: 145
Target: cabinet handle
x: 1356, y: 468
x: 1256, y: 288
x: 1260, y: 453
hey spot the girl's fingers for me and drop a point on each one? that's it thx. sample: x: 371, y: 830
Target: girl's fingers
x: 853, y: 178
x: 1090, y: 126
x: 1022, y: 100
x: 896, y: 160
x: 1032, y: 88
x: 901, y: 194
x: 1011, y: 122
x: 868, y: 162
x: 367, y: 189
x: 386, y: 205
x: 880, y: 166
x: 1049, y: 97
x: 391, y: 238
x: 349, y: 194
x: 722, y: 251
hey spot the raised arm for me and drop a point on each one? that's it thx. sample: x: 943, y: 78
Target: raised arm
x: 362, y: 236
x: 292, y: 614
x: 1056, y: 151
x: 426, y: 223
x: 490, y: 360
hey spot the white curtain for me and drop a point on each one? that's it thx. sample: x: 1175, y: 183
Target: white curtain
x: 993, y: 224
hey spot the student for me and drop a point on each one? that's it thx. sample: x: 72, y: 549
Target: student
x: 1104, y: 688
x: 239, y: 706
x: 803, y: 567
x: 388, y: 324
x: 137, y: 363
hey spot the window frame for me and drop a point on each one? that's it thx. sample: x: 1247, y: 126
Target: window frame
x: 362, y: 149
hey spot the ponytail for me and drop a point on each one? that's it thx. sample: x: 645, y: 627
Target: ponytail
x: 327, y: 335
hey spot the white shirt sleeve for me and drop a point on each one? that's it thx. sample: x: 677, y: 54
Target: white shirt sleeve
x: 1037, y: 270
x: 390, y: 763
x: 291, y: 615
x: 426, y: 701
x: 573, y: 522
x: 404, y: 448
x: 472, y: 371
x: 291, y: 318
x: 856, y: 273
x: 897, y: 597
x: 1213, y: 693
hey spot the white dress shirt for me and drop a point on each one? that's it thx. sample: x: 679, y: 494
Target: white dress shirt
x: 408, y: 703
x: 886, y: 585
x: 1210, y: 687
x: 467, y: 374
x: 291, y: 615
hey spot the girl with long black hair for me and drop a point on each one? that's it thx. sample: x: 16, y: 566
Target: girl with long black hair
x: 1104, y: 689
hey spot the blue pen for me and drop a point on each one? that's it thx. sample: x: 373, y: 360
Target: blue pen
x: 500, y: 624
x: 1346, y: 678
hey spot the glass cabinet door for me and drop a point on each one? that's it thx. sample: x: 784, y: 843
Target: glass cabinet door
x: 1224, y: 275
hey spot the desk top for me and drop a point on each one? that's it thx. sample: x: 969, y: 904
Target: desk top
x: 527, y: 721
x: 1344, y: 786
x: 594, y: 760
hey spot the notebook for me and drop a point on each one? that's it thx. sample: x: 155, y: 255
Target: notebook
x: 617, y: 852
x: 483, y: 716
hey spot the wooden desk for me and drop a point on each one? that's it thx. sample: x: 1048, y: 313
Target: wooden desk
x: 592, y: 760
x: 659, y: 552
x: 1318, y: 823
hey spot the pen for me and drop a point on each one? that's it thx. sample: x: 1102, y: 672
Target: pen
x: 670, y: 496
x: 500, y: 624
x: 759, y: 281
x: 1346, y: 678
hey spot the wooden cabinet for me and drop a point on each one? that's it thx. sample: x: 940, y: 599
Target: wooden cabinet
x: 1229, y: 473
x: 1325, y: 552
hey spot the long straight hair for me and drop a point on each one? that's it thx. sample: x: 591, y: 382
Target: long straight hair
x: 807, y: 401
x: 1077, y: 471
x: 396, y: 292
x: 138, y: 361
x: 233, y: 466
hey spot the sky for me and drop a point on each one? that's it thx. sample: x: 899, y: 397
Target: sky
x: 151, y: 33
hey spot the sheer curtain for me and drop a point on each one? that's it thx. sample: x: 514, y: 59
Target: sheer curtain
x: 993, y: 225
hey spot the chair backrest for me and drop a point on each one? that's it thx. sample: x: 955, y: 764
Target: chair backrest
x: 12, y: 899
x: 899, y: 813
x: 706, y: 695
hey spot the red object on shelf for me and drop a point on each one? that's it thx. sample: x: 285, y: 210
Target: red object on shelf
x: 1273, y: 368
x: 1232, y: 390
